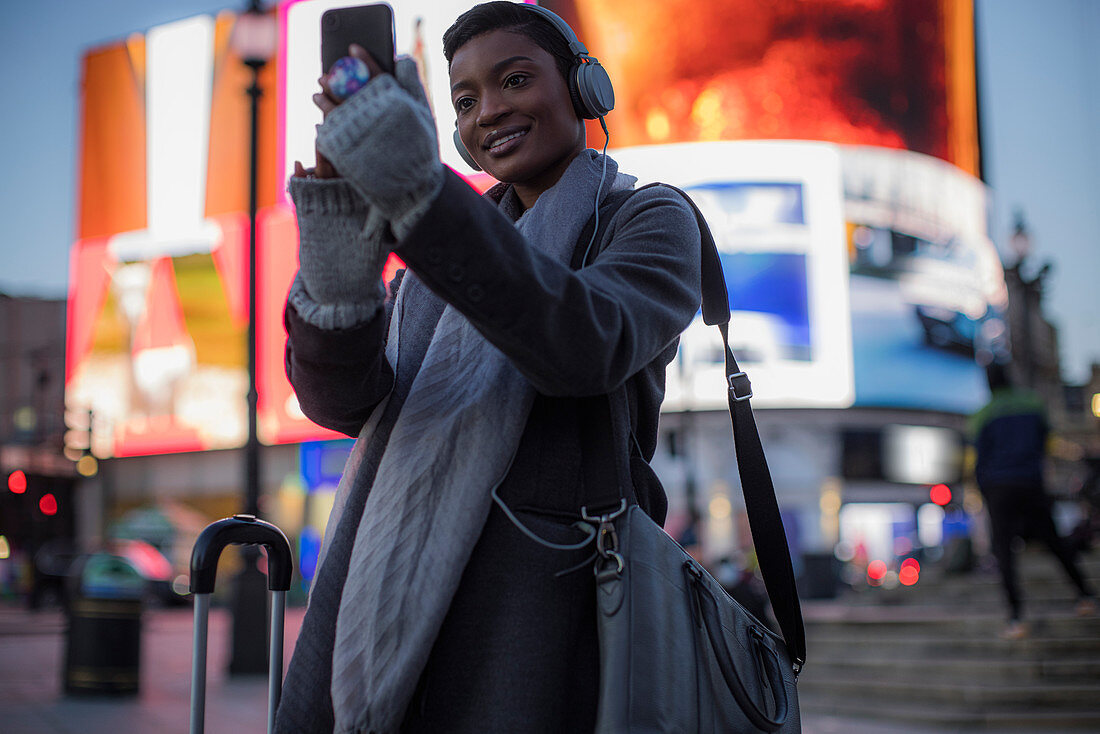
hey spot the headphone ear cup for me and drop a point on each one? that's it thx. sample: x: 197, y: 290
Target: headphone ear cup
x: 465, y: 154
x: 593, y: 89
x: 575, y: 92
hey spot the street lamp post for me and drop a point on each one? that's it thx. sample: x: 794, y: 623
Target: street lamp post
x: 254, y: 39
x: 1021, y: 238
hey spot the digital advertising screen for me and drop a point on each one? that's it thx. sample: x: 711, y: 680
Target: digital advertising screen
x: 927, y: 291
x: 775, y: 210
x: 158, y: 288
x: 888, y: 73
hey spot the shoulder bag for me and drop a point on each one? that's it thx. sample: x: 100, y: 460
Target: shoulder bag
x: 677, y: 653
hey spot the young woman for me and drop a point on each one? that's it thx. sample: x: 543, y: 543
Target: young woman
x: 438, y: 605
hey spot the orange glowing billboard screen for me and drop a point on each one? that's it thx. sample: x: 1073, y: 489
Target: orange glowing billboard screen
x: 890, y: 73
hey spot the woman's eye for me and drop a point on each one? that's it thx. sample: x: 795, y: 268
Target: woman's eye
x: 463, y: 104
x: 514, y: 80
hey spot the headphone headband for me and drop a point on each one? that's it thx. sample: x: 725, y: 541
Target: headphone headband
x: 575, y: 46
x: 589, y: 85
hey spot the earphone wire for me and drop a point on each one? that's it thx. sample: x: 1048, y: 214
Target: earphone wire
x: 599, y: 188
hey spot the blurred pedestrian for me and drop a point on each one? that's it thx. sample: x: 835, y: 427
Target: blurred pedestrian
x: 1010, y: 434
x: 455, y: 590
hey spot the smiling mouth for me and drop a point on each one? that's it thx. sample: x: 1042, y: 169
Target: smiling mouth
x: 498, y: 145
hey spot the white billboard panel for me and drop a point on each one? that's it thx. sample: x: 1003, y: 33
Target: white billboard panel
x: 775, y: 209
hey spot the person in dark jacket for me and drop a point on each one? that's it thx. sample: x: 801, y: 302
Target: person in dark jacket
x: 455, y: 590
x: 1010, y: 435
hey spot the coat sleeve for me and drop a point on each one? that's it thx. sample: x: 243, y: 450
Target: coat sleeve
x: 339, y: 375
x: 571, y: 333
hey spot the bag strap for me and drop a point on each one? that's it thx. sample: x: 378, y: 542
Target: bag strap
x: 765, y: 521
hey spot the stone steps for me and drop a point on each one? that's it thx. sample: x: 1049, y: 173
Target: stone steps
x: 980, y: 696
x: 932, y: 654
x: 945, y: 618
x: 955, y: 718
x: 961, y: 670
x: 824, y: 650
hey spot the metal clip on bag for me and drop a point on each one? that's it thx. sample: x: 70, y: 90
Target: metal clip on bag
x: 677, y: 654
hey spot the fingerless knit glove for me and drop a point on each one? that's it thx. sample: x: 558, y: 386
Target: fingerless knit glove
x: 343, y: 246
x: 383, y: 141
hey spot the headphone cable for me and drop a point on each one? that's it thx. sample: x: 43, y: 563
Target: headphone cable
x: 599, y: 188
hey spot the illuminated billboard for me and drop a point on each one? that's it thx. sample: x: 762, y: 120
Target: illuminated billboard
x: 775, y: 211
x: 888, y: 73
x: 928, y: 297
x: 159, y: 271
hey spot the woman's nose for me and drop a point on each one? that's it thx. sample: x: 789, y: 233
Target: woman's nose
x: 493, y: 108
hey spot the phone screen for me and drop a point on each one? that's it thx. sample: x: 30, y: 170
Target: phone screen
x: 370, y: 26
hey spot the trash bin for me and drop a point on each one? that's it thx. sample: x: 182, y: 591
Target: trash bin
x: 103, y: 646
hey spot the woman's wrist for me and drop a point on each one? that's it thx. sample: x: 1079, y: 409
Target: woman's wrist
x: 341, y: 315
x: 314, y: 195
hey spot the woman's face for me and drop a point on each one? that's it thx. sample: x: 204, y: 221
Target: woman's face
x: 514, y: 112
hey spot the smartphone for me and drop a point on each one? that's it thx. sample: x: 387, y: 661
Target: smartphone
x: 371, y: 26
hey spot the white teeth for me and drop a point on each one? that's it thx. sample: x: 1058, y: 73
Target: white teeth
x: 506, y: 138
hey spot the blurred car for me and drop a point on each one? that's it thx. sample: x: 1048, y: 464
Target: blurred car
x: 162, y: 586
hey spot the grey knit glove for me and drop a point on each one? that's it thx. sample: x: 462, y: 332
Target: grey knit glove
x: 383, y: 141
x: 343, y: 244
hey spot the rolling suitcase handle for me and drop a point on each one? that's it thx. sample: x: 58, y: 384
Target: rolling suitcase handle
x: 238, y: 530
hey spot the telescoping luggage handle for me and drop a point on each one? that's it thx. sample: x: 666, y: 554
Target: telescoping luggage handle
x: 238, y: 530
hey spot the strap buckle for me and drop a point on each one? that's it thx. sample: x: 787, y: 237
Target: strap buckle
x: 607, y: 540
x: 740, y: 386
x: 604, y: 518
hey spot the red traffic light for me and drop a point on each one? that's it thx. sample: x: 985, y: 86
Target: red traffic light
x: 48, y: 504
x: 17, y: 481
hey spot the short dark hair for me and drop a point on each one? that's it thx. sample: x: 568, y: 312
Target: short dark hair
x: 513, y: 17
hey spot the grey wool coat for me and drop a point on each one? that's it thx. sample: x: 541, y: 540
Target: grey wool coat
x: 517, y: 651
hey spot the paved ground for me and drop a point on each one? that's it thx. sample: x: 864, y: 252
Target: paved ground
x: 31, y: 702
x: 31, y: 659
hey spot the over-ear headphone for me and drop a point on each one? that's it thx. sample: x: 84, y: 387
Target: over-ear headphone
x: 589, y: 85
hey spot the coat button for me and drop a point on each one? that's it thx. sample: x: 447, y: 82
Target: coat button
x: 475, y: 293
x: 456, y: 273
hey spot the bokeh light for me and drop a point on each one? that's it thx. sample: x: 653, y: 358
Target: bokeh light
x: 876, y: 572
x: 48, y: 504
x: 17, y: 481
x: 940, y: 494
